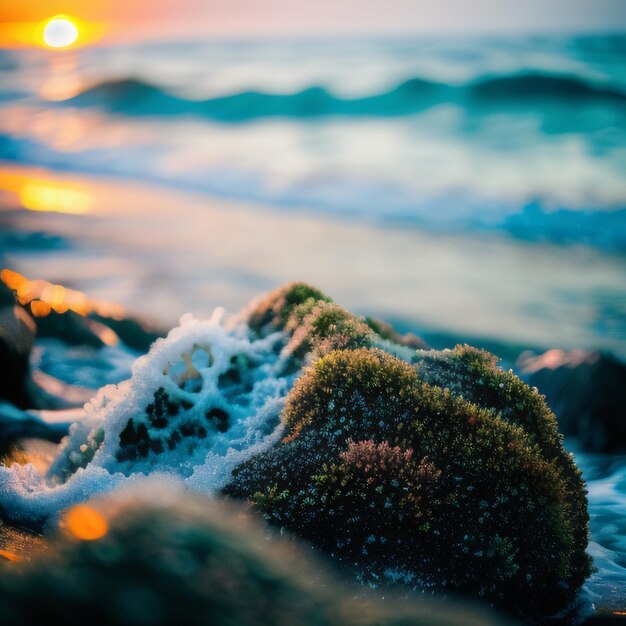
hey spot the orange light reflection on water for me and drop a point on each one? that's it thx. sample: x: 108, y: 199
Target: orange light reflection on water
x: 37, y: 195
x: 9, y: 556
x: 58, y: 88
x: 61, y: 79
x: 42, y: 194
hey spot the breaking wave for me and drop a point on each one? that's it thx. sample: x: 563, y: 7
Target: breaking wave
x: 136, y: 97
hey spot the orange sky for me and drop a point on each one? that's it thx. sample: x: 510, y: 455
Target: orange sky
x: 128, y: 20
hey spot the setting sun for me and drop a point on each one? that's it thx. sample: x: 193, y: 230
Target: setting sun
x: 60, y: 32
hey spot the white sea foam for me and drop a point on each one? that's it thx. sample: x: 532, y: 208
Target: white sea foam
x: 199, y: 403
x: 606, y: 481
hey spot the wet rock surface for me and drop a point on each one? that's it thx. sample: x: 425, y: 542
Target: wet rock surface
x: 586, y: 390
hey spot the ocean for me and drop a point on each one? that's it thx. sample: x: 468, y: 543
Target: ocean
x: 464, y: 188
x: 502, y: 158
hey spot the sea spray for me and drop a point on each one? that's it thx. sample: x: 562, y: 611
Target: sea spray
x: 197, y: 404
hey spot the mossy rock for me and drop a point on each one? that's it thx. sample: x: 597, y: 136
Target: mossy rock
x: 405, y: 482
x: 158, y: 555
x: 273, y: 311
x: 313, y: 325
x: 319, y: 327
x: 474, y: 375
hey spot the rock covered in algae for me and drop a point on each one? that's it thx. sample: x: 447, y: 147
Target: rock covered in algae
x: 157, y: 555
x: 439, y: 471
x: 423, y: 469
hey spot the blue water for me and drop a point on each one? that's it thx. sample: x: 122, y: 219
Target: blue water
x: 524, y: 136
x: 485, y: 178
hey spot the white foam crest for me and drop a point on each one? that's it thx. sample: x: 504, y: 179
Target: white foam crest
x: 201, y: 402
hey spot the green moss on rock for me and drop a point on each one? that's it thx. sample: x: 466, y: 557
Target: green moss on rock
x: 319, y: 327
x: 474, y: 375
x: 404, y: 482
x: 273, y: 311
x: 314, y: 325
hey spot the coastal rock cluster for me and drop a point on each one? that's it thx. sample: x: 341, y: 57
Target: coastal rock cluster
x: 411, y: 468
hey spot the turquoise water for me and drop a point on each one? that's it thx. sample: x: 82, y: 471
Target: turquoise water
x: 471, y: 186
x: 606, y: 481
x: 523, y: 136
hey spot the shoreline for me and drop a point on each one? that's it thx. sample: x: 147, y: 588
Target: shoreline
x: 216, y: 252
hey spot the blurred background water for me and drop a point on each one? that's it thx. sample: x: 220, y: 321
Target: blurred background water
x: 472, y: 185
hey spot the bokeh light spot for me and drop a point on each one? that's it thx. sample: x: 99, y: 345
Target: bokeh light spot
x: 84, y: 522
x: 40, y: 308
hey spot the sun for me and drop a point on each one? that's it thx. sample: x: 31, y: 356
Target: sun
x: 60, y: 32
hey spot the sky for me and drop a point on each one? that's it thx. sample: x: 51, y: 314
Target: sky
x: 130, y: 20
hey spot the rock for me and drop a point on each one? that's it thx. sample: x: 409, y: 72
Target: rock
x: 137, y: 334
x: 585, y: 389
x: 407, y: 483
x: 70, y: 316
x: 424, y: 470
x: 72, y: 329
x: 17, y: 332
x: 79, y: 347
x: 315, y: 325
x: 272, y: 311
x: 157, y: 555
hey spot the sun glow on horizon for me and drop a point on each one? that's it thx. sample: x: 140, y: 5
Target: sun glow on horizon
x: 60, y: 32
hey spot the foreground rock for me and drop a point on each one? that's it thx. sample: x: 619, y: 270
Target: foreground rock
x: 585, y: 389
x: 442, y: 472
x: 156, y: 555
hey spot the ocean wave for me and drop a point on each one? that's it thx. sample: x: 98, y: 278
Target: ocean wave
x: 136, y: 97
x: 599, y: 224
